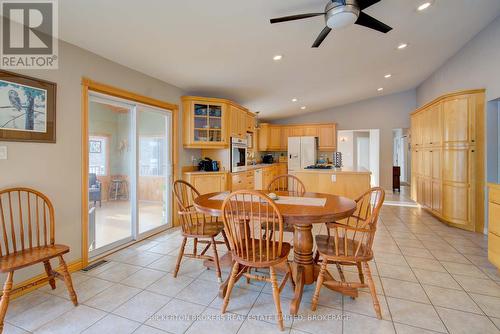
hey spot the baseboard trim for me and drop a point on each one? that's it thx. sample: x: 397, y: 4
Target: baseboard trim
x: 32, y: 283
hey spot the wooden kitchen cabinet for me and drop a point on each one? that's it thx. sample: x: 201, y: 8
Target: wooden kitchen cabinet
x: 327, y: 134
x: 250, y: 123
x: 205, y: 122
x: 268, y: 174
x: 238, y: 122
x: 242, y: 181
x: 458, y: 121
x: 275, y: 137
x: 494, y: 224
x: 448, y: 158
x: 285, y: 133
x: 207, y: 182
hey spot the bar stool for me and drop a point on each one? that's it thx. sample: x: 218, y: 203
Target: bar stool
x: 118, y: 189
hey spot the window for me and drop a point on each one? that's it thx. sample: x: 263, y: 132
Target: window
x: 98, y: 155
x: 152, y: 156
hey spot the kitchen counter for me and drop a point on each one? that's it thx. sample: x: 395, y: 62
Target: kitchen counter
x: 344, y: 170
x: 347, y: 182
x: 245, y: 169
x: 201, y: 172
x: 259, y: 166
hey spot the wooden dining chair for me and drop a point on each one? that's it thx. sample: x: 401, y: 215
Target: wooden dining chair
x: 27, y: 229
x: 201, y: 228
x: 287, y: 182
x: 350, y: 243
x: 244, y: 212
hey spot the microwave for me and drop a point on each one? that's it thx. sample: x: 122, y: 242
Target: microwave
x: 238, y: 154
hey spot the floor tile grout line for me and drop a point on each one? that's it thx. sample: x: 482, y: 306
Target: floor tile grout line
x: 467, y: 293
x: 434, y: 307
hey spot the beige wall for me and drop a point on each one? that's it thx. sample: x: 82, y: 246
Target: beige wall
x: 476, y: 65
x: 55, y: 169
x: 385, y: 113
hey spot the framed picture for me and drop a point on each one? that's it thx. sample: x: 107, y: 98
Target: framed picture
x: 27, y: 109
x: 95, y: 146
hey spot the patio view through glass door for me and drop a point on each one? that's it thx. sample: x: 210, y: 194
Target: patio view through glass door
x: 129, y: 171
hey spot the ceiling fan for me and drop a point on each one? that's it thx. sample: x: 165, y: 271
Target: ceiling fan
x: 339, y: 14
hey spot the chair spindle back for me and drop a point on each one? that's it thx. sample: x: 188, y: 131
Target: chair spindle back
x: 26, y: 220
x: 249, y: 216
x: 192, y: 222
x: 287, y: 182
x: 354, y: 237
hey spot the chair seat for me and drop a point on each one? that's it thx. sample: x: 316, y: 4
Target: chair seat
x: 209, y: 230
x: 34, y: 255
x: 286, y: 227
x: 255, y: 262
x: 326, y: 247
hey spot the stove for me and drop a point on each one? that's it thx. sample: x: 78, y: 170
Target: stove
x: 319, y: 167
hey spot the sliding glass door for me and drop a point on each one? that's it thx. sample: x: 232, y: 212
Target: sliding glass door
x: 154, y: 168
x: 129, y: 171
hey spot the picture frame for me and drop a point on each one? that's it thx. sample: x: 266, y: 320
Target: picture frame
x: 27, y: 108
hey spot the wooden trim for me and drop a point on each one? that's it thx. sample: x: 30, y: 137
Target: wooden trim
x: 85, y: 174
x: 217, y: 100
x: 446, y: 96
x: 124, y: 94
x: 296, y: 124
x: 90, y: 85
x: 38, y: 281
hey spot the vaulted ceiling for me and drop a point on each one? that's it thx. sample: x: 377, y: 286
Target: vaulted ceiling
x: 224, y: 48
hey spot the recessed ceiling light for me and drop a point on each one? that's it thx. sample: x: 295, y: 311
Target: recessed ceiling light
x: 424, y: 6
x: 294, y: 100
x: 303, y: 107
x: 277, y: 57
x: 380, y: 89
x: 402, y: 46
x: 387, y: 76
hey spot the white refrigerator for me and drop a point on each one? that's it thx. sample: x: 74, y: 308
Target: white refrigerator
x: 301, y: 152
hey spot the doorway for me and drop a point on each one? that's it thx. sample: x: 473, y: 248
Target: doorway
x: 129, y: 169
x: 361, y: 149
x: 402, y: 154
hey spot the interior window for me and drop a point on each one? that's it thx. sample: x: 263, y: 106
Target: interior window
x: 98, y: 155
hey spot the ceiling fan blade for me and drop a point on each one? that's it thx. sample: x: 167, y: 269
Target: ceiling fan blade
x: 294, y: 17
x: 366, y: 20
x: 321, y: 37
x: 366, y: 3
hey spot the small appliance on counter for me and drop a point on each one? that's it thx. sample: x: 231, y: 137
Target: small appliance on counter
x: 268, y: 159
x: 208, y: 165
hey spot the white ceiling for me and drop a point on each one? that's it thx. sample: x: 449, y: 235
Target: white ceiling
x: 224, y: 48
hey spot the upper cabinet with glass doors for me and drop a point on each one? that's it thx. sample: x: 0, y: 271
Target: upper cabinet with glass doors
x: 210, y: 122
x: 205, y: 122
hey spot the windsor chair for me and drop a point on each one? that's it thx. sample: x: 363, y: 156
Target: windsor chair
x: 350, y: 243
x: 203, y: 229
x: 244, y: 214
x: 288, y: 183
x: 27, y: 238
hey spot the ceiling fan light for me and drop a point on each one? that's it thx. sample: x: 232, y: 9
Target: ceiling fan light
x: 340, y: 16
x: 341, y: 20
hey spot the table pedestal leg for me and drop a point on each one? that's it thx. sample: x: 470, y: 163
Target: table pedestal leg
x: 303, y: 264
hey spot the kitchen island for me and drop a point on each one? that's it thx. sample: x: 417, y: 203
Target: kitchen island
x: 348, y: 182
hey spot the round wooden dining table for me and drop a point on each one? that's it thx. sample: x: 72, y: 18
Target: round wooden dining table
x: 302, y: 217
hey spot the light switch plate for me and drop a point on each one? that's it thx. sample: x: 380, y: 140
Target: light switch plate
x: 334, y: 178
x: 3, y: 152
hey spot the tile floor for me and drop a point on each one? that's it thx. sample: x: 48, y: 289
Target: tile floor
x: 430, y: 279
